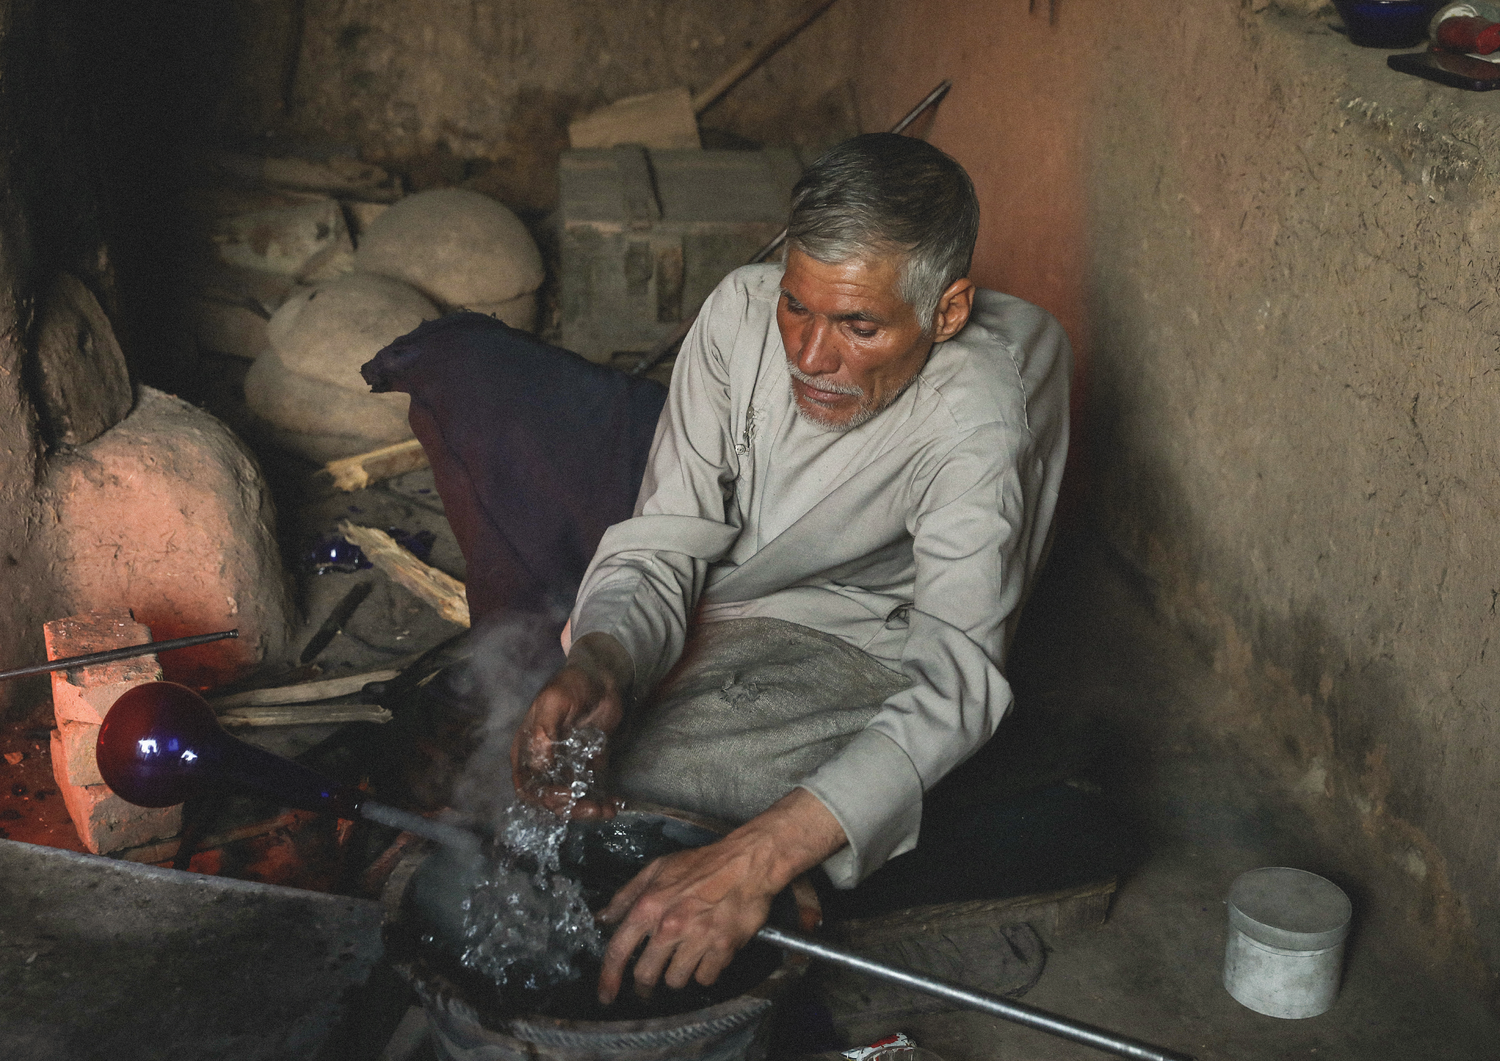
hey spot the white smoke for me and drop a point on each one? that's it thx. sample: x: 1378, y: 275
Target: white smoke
x: 513, y: 655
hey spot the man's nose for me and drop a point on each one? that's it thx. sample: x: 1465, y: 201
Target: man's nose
x: 819, y: 355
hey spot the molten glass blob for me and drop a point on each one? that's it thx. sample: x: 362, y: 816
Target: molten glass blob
x: 161, y: 744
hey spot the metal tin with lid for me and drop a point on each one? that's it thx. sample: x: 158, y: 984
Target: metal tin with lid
x: 1285, y: 951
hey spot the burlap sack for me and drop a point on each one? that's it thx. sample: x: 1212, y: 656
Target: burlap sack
x: 753, y: 707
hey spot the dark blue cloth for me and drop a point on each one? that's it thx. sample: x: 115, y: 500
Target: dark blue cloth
x: 535, y: 450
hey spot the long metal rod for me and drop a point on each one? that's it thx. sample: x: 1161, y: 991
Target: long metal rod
x: 444, y: 833
x: 110, y: 655
x: 653, y: 356
x: 1031, y: 1017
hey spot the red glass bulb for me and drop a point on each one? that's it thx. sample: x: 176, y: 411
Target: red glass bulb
x: 161, y: 744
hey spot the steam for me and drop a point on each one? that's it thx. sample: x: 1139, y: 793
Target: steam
x: 513, y: 656
x: 525, y: 921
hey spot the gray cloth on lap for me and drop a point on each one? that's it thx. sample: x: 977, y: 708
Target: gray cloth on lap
x: 752, y: 708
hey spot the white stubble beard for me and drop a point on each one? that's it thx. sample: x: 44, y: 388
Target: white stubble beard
x: 863, y: 415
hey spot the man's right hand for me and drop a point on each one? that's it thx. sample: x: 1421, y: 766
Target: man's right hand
x: 589, y: 691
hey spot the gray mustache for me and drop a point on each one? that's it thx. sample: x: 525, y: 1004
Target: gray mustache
x: 822, y: 385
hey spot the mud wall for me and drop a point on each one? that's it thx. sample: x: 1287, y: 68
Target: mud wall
x: 1279, y: 260
x: 434, y: 84
x: 46, y: 224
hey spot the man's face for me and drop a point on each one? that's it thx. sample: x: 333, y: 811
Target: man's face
x: 852, y: 343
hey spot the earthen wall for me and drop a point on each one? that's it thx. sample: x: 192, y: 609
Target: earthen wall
x: 1279, y: 260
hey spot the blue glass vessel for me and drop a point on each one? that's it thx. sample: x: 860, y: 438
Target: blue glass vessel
x: 1387, y: 23
x: 161, y: 744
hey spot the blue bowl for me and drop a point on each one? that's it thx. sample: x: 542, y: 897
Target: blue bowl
x: 1387, y: 23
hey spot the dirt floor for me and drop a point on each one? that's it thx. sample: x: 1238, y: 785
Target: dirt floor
x: 1093, y: 649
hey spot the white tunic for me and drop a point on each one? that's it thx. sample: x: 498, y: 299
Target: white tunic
x: 912, y: 537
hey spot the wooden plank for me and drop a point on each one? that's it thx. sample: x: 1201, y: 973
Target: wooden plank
x: 994, y: 944
x: 656, y: 119
x: 1058, y: 914
x: 362, y: 469
x: 439, y: 589
x: 302, y: 692
x: 302, y: 715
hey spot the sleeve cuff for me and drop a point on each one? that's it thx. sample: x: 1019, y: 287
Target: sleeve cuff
x: 875, y: 793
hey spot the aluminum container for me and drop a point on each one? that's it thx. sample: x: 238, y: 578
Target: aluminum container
x: 1285, y: 953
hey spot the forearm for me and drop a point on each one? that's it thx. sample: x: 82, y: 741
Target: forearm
x: 640, y: 600
x: 699, y: 906
x: 604, y: 660
x: 795, y: 833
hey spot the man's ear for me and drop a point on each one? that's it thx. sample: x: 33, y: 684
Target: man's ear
x: 953, y: 310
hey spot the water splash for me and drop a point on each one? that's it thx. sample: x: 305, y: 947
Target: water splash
x: 526, y: 923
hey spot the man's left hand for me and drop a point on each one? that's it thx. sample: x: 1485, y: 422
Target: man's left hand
x: 699, y: 907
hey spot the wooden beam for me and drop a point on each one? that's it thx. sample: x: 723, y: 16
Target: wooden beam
x: 302, y: 692
x: 302, y: 715
x: 444, y: 592
x: 362, y: 469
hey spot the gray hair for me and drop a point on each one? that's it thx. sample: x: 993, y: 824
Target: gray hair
x: 882, y: 193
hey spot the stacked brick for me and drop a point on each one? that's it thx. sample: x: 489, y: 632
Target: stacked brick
x: 81, y: 697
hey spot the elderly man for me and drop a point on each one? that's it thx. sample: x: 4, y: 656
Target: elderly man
x: 803, y: 626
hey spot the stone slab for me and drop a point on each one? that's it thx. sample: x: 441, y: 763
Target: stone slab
x: 296, y: 402
x: 105, y: 822
x: 456, y: 246
x: 290, y: 241
x: 361, y: 216
x: 230, y: 327
x: 329, y: 331
x: 107, y: 959
x: 519, y: 312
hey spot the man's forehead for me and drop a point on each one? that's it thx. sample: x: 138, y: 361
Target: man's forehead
x: 859, y: 288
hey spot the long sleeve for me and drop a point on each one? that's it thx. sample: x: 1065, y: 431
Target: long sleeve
x: 649, y: 571
x: 911, y: 537
x: 979, y: 526
x: 968, y: 528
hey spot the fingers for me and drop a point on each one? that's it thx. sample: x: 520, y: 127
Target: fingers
x: 560, y: 802
x: 653, y: 960
x: 715, y: 960
x: 625, y: 899
x: 569, y: 700
x: 616, y: 956
x: 629, y: 935
x: 694, y: 954
x: 530, y: 755
x: 691, y: 928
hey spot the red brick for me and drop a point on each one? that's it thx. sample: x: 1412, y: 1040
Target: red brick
x: 105, y: 822
x: 77, y: 741
x: 85, y: 694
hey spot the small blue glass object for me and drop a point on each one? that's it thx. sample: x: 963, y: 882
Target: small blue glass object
x: 1387, y: 23
x: 336, y: 553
